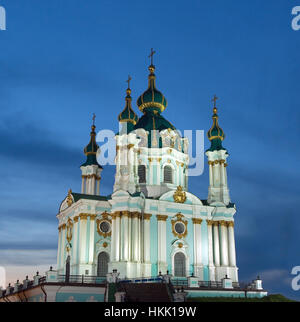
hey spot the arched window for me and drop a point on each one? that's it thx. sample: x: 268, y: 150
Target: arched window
x: 168, y: 174
x: 179, y: 265
x: 103, y: 260
x: 142, y: 173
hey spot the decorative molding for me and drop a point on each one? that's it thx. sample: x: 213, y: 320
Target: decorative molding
x: 135, y: 215
x: 69, y: 230
x: 83, y: 216
x: 90, y: 176
x: 209, y: 222
x: 129, y: 146
x: 223, y: 223
x: 125, y: 213
x: 116, y: 214
x: 70, y: 198
x: 161, y: 217
x: 197, y: 221
x: 147, y: 216
x: 99, y: 222
x: 179, y: 219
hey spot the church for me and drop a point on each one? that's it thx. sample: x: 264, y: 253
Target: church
x: 151, y: 224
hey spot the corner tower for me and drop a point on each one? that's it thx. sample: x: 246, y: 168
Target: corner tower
x: 218, y: 191
x: 91, y: 169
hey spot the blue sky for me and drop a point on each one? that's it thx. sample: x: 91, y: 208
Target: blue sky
x: 61, y: 61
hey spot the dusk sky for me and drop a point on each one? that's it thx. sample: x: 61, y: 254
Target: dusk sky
x: 62, y: 61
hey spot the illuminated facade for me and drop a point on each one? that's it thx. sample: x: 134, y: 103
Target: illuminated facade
x: 151, y: 223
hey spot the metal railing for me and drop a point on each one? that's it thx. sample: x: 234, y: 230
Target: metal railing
x: 152, y: 279
x: 81, y: 279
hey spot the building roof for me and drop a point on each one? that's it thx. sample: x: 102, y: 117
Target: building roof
x: 91, y: 150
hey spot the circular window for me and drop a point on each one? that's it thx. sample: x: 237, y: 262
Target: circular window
x: 179, y: 228
x: 105, y: 227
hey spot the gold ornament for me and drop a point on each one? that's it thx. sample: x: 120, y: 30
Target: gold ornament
x: 179, y: 195
x: 104, y: 218
x: 179, y: 219
x: 69, y: 198
x: 69, y: 230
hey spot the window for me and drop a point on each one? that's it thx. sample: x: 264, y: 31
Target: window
x: 179, y: 228
x: 168, y: 174
x: 142, y: 173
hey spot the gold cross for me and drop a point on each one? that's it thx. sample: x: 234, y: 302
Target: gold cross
x: 128, y: 81
x: 215, y: 100
x: 151, y: 55
x: 94, y: 118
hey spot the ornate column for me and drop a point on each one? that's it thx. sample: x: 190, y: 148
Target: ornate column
x: 147, y: 241
x: 225, y: 173
x: 216, y: 173
x: 231, y: 242
x: 75, y: 242
x: 113, y: 238
x: 63, y: 244
x: 129, y: 236
x: 59, y: 248
x: 125, y: 236
x: 82, y: 239
x: 216, y: 243
x: 198, y: 265
x: 117, y: 236
x: 135, y: 237
x: 82, y: 184
x: 93, y: 185
x: 224, y: 243
x: 210, y: 251
x: 222, y: 174
x: 92, y: 239
x: 98, y: 186
x: 211, y: 178
x: 161, y: 234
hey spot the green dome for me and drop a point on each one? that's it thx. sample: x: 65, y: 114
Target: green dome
x: 128, y: 115
x: 153, y: 121
x: 152, y: 99
x: 91, y: 150
x: 215, y: 134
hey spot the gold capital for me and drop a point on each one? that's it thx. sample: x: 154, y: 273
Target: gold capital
x: 147, y: 216
x: 83, y: 216
x: 161, y: 217
x: 197, y: 221
x: 209, y: 222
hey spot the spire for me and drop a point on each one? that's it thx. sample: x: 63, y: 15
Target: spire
x: 127, y: 115
x: 152, y: 100
x: 215, y: 135
x: 91, y: 149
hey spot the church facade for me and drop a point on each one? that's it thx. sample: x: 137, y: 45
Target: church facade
x: 151, y: 223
